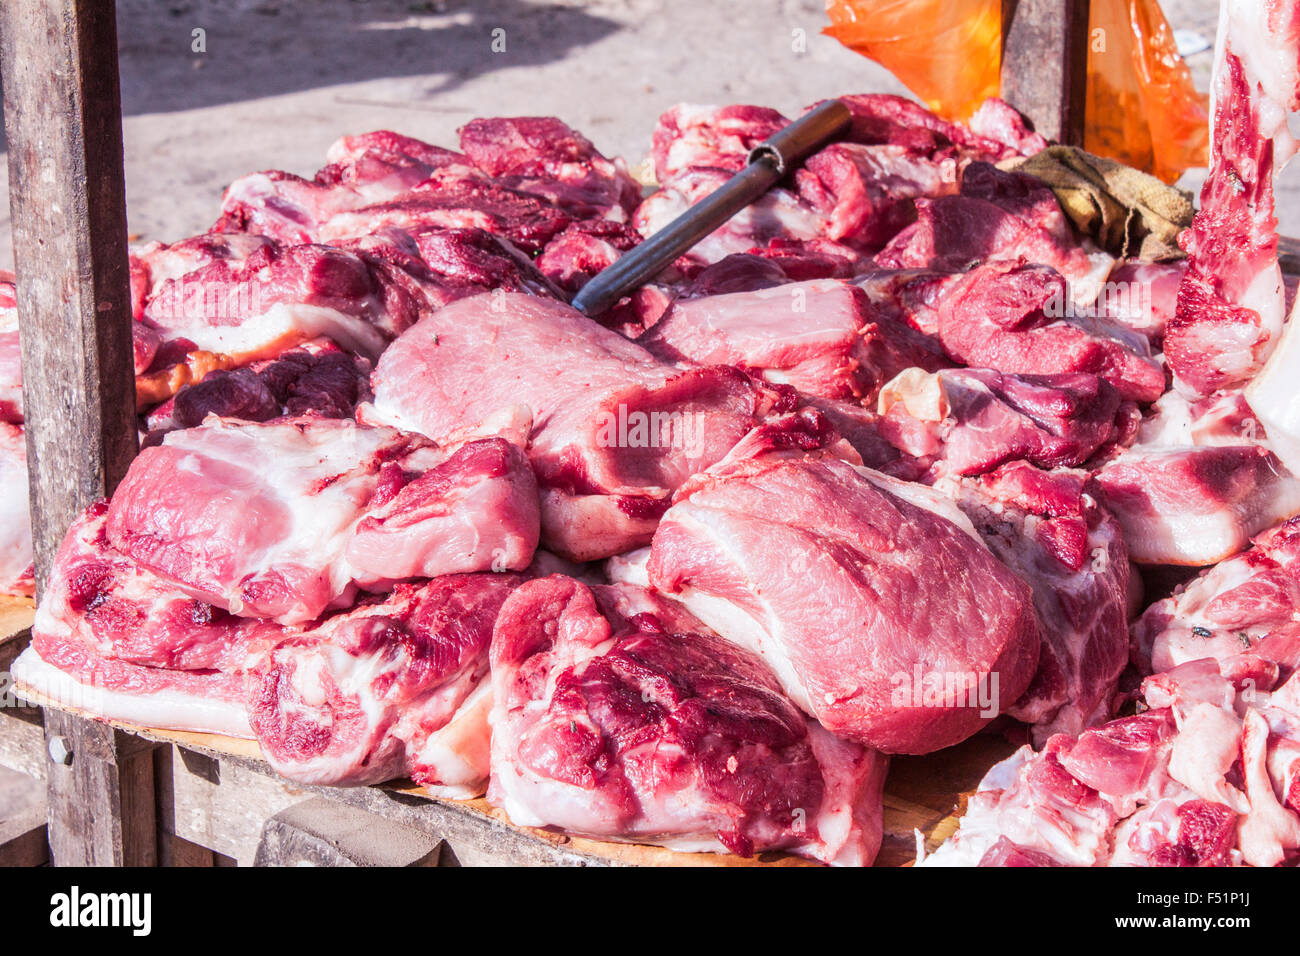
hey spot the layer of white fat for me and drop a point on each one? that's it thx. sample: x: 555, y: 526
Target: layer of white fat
x: 1169, y: 424
x: 166, y: 709
x: 1084, y: 289
x: 1266, y: 294
x: 978, y: 831
x: 285, y: 321
x: 739, y: 627
x: 834, y: 820
x: 458, y: 752
x: 1274, y: 395
x: 922, y: 394
x: 630, y: 568
x: 925, y: 498
x: 304, y: 465
x: 380, y: 412
x: 1202, y: 539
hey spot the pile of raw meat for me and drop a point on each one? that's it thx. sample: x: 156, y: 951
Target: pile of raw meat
x: 893, y: 458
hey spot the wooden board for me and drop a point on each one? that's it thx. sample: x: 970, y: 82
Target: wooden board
x: 63, y: 121
x: 16, y: 615
x: 921, y: 793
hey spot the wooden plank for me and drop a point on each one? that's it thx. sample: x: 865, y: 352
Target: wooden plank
x: 16, y: 615
x: 63, y: 122
x: 1044, y: 69
x: 22, y: 742
x: 221, y: 804
x: 22, y: 841
x: 173, y: 851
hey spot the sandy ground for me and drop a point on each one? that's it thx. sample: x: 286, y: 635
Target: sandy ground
x: 278, y: 81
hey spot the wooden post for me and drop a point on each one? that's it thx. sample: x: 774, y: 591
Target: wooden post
x: 63, y: 119
x: 99, y: 794
x: 1045, y: 64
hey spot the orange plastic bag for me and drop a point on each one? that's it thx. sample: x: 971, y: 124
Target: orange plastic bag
x: 1143, y: 109
x: 944, y: 51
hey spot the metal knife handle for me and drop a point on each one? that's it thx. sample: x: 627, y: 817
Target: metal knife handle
x: 767, y: 163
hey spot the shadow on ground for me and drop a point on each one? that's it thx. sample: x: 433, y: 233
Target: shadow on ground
x: 260, y: 48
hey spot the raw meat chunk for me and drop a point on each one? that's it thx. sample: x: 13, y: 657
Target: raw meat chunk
x: 622, y: 728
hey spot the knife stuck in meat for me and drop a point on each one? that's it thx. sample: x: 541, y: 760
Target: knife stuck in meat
x: 766, y: 165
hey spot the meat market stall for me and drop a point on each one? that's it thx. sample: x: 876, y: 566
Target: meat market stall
x: 321, y: 495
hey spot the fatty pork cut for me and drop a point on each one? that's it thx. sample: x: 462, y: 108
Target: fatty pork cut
x: 390, y: 688
x: 615, y: 431
x: 1048, y: 528
x: 1208, y: 775
x: 882, y: 611
x: 1197, y: 482
x: 285, y: 519
x: 975, y: 420
x: 119, y: 641
x: 650, y: 728
x: 1231, y: 304
x: 867, y: 471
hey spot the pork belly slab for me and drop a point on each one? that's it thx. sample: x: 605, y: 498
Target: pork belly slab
x: 286, y: 519
x: 883, y: 613
x: 627, y: 728
x: 105, y: 600
x: 391, y: 686
x: 614, y: 432
x: 73, y: 675
x: 120, y: 642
